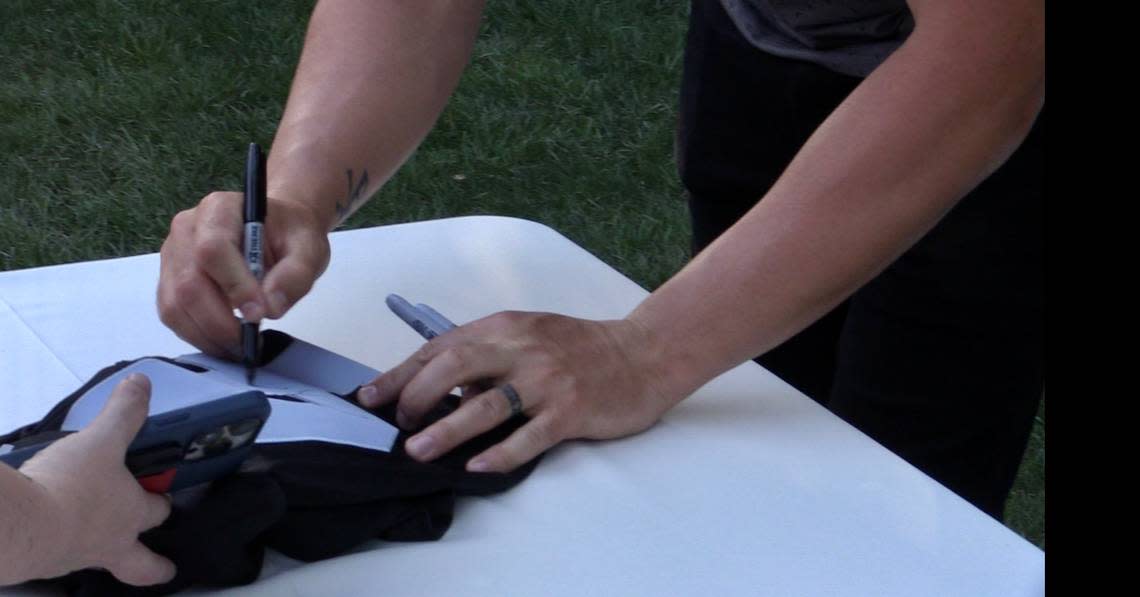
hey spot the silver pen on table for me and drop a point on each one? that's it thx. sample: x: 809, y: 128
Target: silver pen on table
x: 442, y: 324
x: 420, y: 321
x: 428, y: 322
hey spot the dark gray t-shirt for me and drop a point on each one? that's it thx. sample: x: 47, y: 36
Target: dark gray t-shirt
x: 851, y: 37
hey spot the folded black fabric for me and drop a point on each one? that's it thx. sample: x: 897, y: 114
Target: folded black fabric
x: 308, y: 500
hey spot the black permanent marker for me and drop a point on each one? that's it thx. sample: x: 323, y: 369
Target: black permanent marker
x: 253, y: 217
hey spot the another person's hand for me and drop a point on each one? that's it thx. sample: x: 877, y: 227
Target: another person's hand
x: 99, y: 508
x: 204, y: 274
x: 575, y: 378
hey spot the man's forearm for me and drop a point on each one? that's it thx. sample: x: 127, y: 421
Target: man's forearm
x: 929, y: 124
x: 372, y: 80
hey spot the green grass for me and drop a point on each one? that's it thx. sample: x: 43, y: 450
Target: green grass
x: 1025, y: 508
x: 118, y: 114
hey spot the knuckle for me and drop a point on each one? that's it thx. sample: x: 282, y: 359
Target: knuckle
x: 559, y: 422
x: 210, y: 249
x: 383, y: 383
x: 571, y: 388
x: 168, y: 312
x: 565, y: 424
x: 544, y: 364
x: 508, y: 319
x: 185, y: 289
x: 545, y: 320
x: 488, y: 406
x: 232, y: 288
x: 301, y: 274
x: 425, y: 352
x: 411, y: 401
x: 571, y: 401
x: 549, y: 325
x: 168, y: 316
x: 540, y: 433
x: 182, y: 221
x: 215, y: 200
x: 455, y: 359
x: 548, y: 375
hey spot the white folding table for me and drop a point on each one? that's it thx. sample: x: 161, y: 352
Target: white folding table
x: 747, y: 487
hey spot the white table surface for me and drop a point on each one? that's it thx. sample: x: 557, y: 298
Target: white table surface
x: 747, y: 487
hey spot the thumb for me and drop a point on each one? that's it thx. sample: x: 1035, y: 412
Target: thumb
x: 292, y: 277
x: 124, y: 412
x: 299, y: 248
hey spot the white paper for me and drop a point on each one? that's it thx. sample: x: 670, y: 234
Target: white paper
x: 322, y: 368
x: 299, y: 421
x: 172, y: 387
x: 269, y: 382
x: 323, y: 416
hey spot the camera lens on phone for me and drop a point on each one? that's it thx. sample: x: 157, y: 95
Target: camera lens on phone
x: 209, y: 444
x: 243, y: 427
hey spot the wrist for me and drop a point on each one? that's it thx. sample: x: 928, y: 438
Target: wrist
x: 305, y: 212
x: 669, y: 375
x: 305, y: 174
x: 48, y: 524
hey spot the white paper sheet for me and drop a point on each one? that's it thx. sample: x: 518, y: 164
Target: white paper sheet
x: 172, y: 387
x: 299, y: 421
x: 233, y: 375
x: 322, y: 368
x: 322, y: 417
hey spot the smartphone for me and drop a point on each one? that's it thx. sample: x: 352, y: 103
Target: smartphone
x: 181, y: 448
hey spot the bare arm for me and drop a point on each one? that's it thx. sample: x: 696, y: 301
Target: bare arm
x: 937, y: 117
x: 929, y: 124
x: 372, y: 80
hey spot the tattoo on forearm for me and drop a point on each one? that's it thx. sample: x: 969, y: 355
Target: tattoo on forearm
x: 355, y: 196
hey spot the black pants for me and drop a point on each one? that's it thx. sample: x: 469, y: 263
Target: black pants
x: 941, y: 357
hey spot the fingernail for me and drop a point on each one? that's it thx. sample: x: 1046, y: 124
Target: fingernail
x: 252, y: 311
x: 138, y: 383
x: 420, y: 446
x: 479, y: 465
x: 367, y: 395
x: 401, y: 419
x: 278, y: 303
